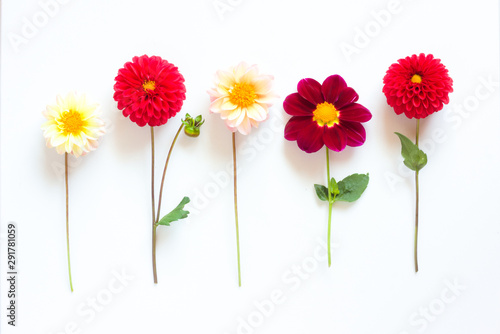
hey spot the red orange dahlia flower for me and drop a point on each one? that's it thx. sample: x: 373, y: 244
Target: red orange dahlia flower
x: 150, y: 90
x: 325, y: 114
x: 417, y: 86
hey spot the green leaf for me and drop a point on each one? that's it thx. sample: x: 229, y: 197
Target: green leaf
x: 415, y: 158
x: 322, y: 192
x: 334, y: 187
x: 351, y: 188
x: 175, y: 214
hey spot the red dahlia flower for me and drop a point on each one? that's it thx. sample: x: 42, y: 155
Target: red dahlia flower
x: 417, y: 86
x: 150, y: 90
x: 325, y: 115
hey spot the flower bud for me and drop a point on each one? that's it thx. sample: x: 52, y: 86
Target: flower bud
x: 192, y: 125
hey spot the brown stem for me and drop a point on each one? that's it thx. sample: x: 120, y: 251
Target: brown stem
x: 165, y: 171
x: 236, y: 208
x: 153, y: 202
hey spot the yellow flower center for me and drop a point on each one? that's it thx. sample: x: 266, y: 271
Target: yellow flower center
x: 416, y: 78
x: 149, y: 85
x: 242, y: 95
x: 72, y: 122
x: 326, y: 113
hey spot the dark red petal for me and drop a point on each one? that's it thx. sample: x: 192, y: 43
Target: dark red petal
x: 310, y: 90
x: 346, y: 97
x: 355, y: 113
x: 296, y: 105
x: 310, y: 138
x: 331, y: 88
x: 355, y: 132
x: 294, y: 125
x: 335, y: 138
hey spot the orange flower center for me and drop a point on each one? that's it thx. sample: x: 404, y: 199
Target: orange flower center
x: 416, y: 78
x: 72, y: 122
x: 242, y: 95
x: 149, y: 85
x: 326, y: 114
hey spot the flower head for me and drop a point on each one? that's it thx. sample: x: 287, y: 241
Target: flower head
x: 150, y: 90
x: 72, y: 125
x: 417, y: 86
x: 242, y: 97
x: 325, y: 114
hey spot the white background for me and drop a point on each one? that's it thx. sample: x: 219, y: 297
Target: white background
x: 371, y: 286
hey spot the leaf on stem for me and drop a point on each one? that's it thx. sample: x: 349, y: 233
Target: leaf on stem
x: 414, y: 158
x: 351, y: 188
x: 175, y: 214
x: 322, y: 192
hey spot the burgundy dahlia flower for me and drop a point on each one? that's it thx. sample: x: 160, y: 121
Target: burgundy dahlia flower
x: 325, y: 114
x: 150, y: 90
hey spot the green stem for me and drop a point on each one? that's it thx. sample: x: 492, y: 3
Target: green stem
x: 165, y: 171
x: 330, y: 204
x: 153, y: 203
x: 416, y: 203
x: 67, y: 217
x: 236, y: 208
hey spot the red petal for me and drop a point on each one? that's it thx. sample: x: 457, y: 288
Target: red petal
x: 294, y: 125
x: 310, y: 90
x: 310, y: 139
x: 296, y: 105
x: 346, y: 97
x: 331, y: 88
x: 356, y: 113
x: 355, y: 132
x: 335, y: 138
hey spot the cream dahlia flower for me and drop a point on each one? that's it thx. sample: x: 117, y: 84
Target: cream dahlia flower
x: 73, y: 125
x: 242, y: 97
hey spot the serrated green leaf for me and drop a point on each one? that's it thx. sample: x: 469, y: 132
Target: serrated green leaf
x: 334, y: 187
x: 351, y: 188
x: 414, y: 158
x: 322, y: 192
x: 175, y: 214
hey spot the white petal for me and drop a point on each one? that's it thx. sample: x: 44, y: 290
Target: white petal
x: 244, y: 127
x: 257, y: 112
x: 225, y: 78
x: 242, y: 115
x: 263, y: 84
x: 235, y: 114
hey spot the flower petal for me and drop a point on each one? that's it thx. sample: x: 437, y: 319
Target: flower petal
x: 346, y: 97
x: 310, y: 90
x: 245, y: 126
x: 294, y: 126
x: 257, y: 112
x: 355, y: 132
x: 310, y: 139
x: 331, y: 88
x: 335, y: 138
x: 355, y: 113
x: 296, y: 105
x: 263, y: 84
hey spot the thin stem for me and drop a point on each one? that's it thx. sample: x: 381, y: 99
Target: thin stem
x: 417, y: 131
x: 416, y: 223
x: 153, y: 202
x: 330, y: 204
x: 67, y: 217
x: 236, y: 208
x: 416, y: 203
x: 165, y: 171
